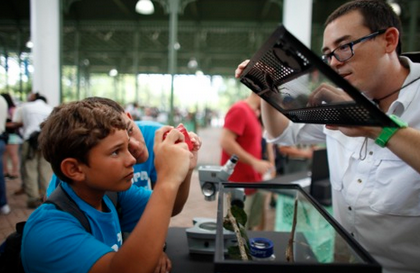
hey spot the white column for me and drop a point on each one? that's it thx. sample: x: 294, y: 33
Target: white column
x: 45, y: 35
x: 297, y: 18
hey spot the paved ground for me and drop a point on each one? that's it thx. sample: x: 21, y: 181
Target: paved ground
x: 196, y: 206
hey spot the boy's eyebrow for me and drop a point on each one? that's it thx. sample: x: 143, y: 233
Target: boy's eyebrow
x: 119, y: 144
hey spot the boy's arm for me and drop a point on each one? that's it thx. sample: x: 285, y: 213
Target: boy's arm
x: 143, y: 248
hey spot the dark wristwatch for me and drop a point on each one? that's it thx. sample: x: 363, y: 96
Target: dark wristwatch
x: 388, y: 132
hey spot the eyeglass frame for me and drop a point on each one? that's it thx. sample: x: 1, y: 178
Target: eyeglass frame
x: 326, y: 58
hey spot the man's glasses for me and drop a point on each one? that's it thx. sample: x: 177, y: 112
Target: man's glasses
x: 344, y: 52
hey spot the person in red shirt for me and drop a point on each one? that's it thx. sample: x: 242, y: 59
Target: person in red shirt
x: 242, y: 135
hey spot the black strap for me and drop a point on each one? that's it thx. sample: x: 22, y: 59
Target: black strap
x: 60, y: 198
x: 114, y: 197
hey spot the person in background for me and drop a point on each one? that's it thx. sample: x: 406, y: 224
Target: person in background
x: 4, y: 207
x: 87, y: 144
x: 374, y: 171
x: 13, y: 144
x: 36, y: 171
x: 134, y: 110
x: 268, y: 153
x: 242, y: 135
x: 296, y: 158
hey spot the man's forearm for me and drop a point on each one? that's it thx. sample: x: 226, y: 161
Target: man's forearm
x: 13, y: 125
x: 274, y: 121
x: 405, y: 144
x: 232, y: 147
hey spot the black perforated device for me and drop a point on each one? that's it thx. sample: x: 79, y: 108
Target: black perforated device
x: 284, y: 72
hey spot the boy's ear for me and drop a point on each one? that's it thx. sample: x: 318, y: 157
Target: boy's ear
x: 129, y: 115
x: 72, y: 168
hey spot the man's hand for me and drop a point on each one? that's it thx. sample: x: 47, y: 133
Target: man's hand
x: 241, y: 68
x: 326, y: 94
x: 357, y: 131
x: 262, y: 166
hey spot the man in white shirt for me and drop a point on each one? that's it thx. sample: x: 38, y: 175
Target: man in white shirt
x: 374, y: 171
x: 36, y: 171
x: 4, y: 207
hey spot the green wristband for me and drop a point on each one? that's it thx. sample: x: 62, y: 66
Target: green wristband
x: 388, y: 132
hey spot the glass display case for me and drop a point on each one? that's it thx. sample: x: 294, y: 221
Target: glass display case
x: 305, y: 237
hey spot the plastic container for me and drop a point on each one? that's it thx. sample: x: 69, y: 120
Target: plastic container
x: 262, y: 249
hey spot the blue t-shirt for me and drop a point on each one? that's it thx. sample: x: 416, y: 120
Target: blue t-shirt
x: 55, y: 241
x: 145, y: 173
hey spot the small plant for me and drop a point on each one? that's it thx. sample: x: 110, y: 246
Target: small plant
x: 235, y: 221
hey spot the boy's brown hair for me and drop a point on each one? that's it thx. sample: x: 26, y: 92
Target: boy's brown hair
x: 73, y: 129
x: 113, y: 104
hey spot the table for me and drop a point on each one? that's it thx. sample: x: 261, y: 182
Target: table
x: 182, y: 261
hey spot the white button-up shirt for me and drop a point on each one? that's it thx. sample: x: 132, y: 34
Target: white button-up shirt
x: 32, y: 114
x: 376, y: 195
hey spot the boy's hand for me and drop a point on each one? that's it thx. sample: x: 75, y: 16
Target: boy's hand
x: 172, y: 156
x: 196, y: 145
x: 164, y: 265
x: 193, y: 142
x: 183, y: 130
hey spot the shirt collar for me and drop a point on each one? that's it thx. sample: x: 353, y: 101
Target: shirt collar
x: 406, y: 95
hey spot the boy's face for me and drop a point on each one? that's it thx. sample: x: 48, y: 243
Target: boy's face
x: 110, y: 163
x: 137, y: 147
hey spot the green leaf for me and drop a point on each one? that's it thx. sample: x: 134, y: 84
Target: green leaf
x: 239, y: 214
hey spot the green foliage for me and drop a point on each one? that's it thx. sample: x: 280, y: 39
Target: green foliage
x: 241, y: 218
x: 239, y: 214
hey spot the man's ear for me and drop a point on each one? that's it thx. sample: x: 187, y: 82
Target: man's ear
x: 72, y: 168
x: 391, y: 36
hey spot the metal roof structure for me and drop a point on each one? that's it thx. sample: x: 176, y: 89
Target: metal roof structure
x: 99, y: 35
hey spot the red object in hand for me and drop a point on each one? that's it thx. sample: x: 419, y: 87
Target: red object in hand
x: 184, y: 131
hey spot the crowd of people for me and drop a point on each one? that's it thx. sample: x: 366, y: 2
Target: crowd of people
x: 21, y: 129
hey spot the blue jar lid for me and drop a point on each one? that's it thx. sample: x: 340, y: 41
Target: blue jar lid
x: 261, y: 247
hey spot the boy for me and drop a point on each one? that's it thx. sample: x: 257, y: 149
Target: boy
x: 87, y: 146
x: 142, y: 135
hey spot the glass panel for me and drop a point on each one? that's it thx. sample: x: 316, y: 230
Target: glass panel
x: 313, y: 233
x: 316, y: 239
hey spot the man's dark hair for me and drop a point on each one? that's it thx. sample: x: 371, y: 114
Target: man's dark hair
x: 38, y: 96
x: 41, y: 97
x: 376, y: 15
